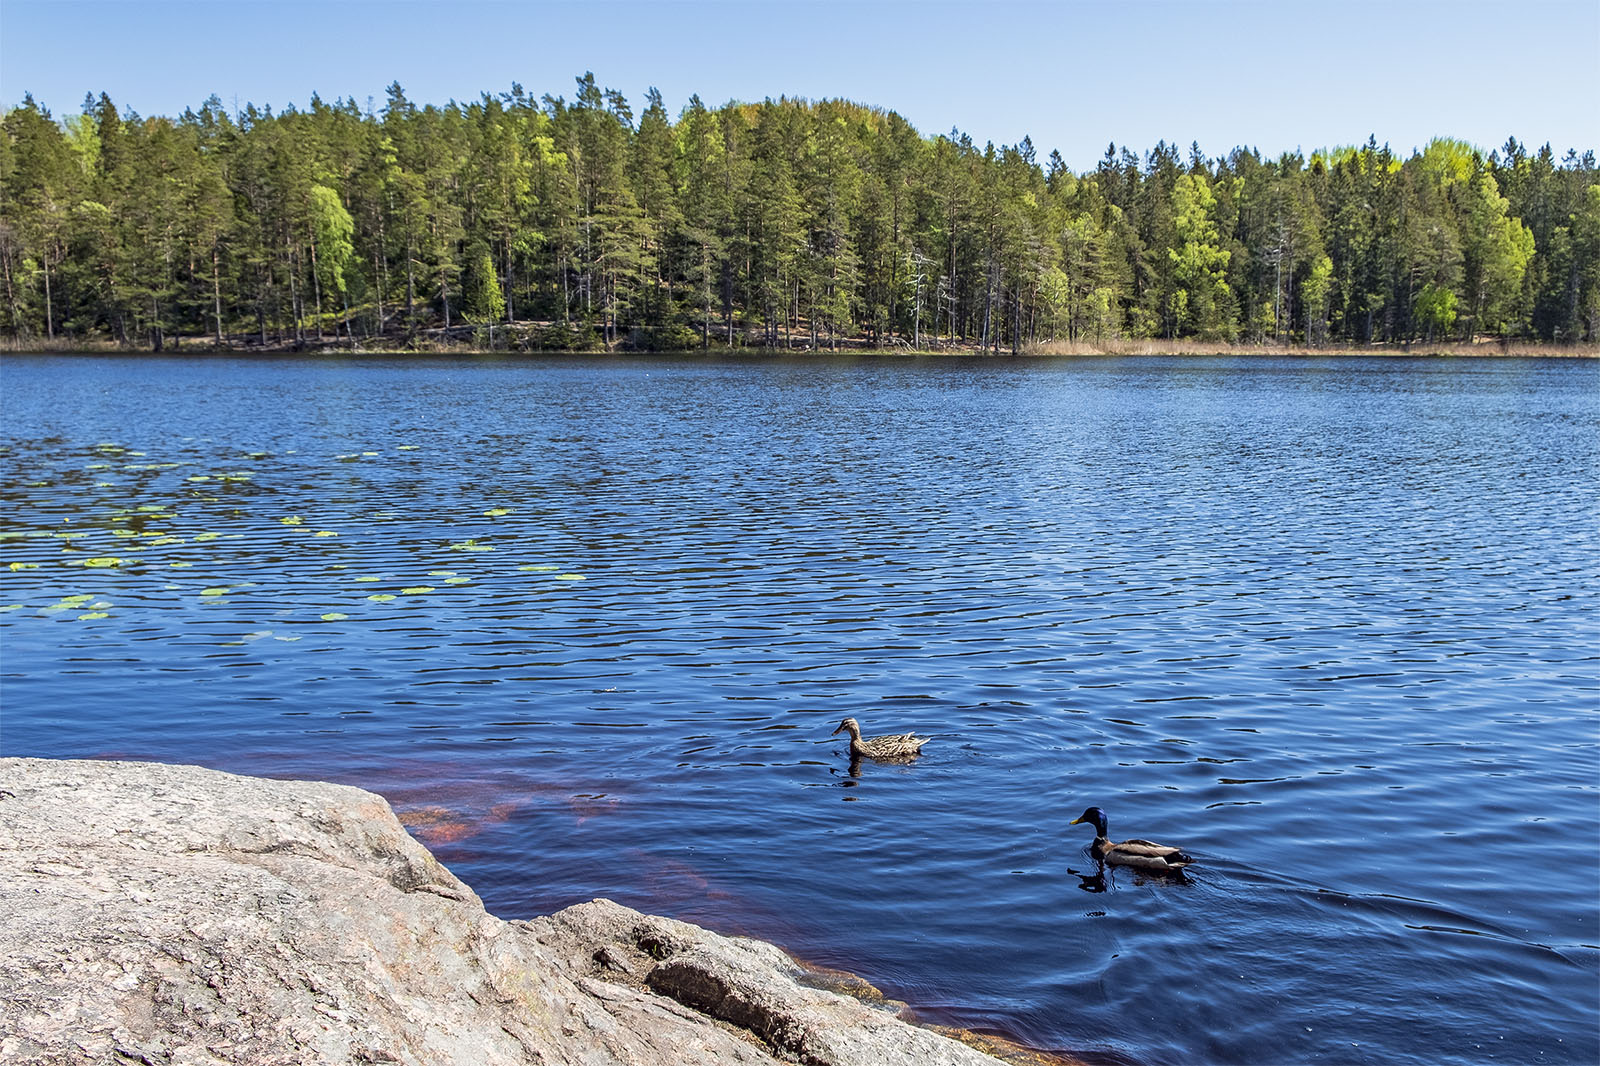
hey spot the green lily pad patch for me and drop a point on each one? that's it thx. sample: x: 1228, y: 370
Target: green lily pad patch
x: 570, y: 577
x: 293, y: 520
x: 219, y: 590
x: 335, y: 616
x: 496, y: 512
x: 22, y: 566
x: 417, y: 590
x: 381, y: 597
x: 92, y: 616
x: 538, y: 568
x: 103, y: 562
x: 325, y: 533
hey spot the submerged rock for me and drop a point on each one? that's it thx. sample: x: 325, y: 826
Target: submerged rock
x: 172, y: 914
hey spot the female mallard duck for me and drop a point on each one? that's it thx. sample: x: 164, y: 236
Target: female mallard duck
x: 1140, y: 854
x: 903, y: 746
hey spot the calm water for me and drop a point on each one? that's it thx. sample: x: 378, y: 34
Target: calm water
x: 588, y: 623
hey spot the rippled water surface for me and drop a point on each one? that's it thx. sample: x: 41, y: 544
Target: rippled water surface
x: 588, y: 623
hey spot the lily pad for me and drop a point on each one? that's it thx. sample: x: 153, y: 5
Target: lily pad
x: 220, y: 590
x: 102, y: 562
x: 471, y: 546
x: 570, y: 577
x: 181, y: 565
x: 325, y: 533
x: 366, y: 579
x: 200, y: 538
x: 406, y: 447
x: 293, y: 520
x: 496, y: 512
x: 441, y: 573
x: 335, y: 616
x: 538, y: 568
x: 458, y: 581
x: 381, y: 597
x: 22, y: 566
x: 76, y: 601
x: 417, y: 590
x: 91, y: 616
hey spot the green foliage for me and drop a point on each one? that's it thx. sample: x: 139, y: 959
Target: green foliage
x: 779, y: 223
x: 1435, y: 309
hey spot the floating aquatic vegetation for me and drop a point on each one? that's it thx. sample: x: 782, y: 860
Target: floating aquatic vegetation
x: 201, y: 538
x: 92, y: 616
x: 198, y: 477
x: 417, y: 590
x: 458, y: 581
x: 496, y: 512
x: 538, y: 568
x: 406, y: 447
x: 22, y: 566
x: 73, y: 535
x: 293, y: 520
x: 76, y: 601
x: 125, y: 533
x: 98, y: 466
x: 381, y: 597
x: 335, y: 616
x: 165, y: 539
x: 219, y: 590
x: 366, y: 578
x: 103, y: 562
x: 470, y: 545
x: 441, y: 573
x: 325, y: 533
x: 10, y: 607
x: 180, y: 565
x: 570, y: 577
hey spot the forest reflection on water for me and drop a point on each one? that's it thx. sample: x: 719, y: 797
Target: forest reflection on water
x: 588, y: 623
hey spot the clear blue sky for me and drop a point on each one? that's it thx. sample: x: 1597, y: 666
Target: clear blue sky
x: 1277, y: 75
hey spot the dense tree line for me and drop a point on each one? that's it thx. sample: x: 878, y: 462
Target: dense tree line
x: 788, y: 222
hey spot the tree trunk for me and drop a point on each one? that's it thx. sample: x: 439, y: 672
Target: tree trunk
x: 216, y: 294
x: 49, y: 311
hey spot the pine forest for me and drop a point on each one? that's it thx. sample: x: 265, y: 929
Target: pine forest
x: 576, y: 224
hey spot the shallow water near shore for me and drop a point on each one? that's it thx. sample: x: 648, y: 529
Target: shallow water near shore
x: 1331, y: 625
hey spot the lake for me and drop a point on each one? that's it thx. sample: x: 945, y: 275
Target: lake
x: 1329, y: 624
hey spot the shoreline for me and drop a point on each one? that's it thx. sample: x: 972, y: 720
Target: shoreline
x: 168, y: 913
x: 424, y: 345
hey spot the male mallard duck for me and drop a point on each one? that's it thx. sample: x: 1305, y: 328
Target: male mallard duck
x: 1140, y: 854
x: 903, y: 746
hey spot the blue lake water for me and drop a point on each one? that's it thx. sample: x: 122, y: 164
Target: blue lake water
x: 1331, y: 625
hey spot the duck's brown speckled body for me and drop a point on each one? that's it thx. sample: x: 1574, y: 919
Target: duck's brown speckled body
x: 1139, y: 854
x: 901, y: 746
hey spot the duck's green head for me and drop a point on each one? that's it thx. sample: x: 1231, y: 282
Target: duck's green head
x: 1093, y: 816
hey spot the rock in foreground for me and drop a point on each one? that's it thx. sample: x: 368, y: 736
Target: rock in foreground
x: 171, y: 914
